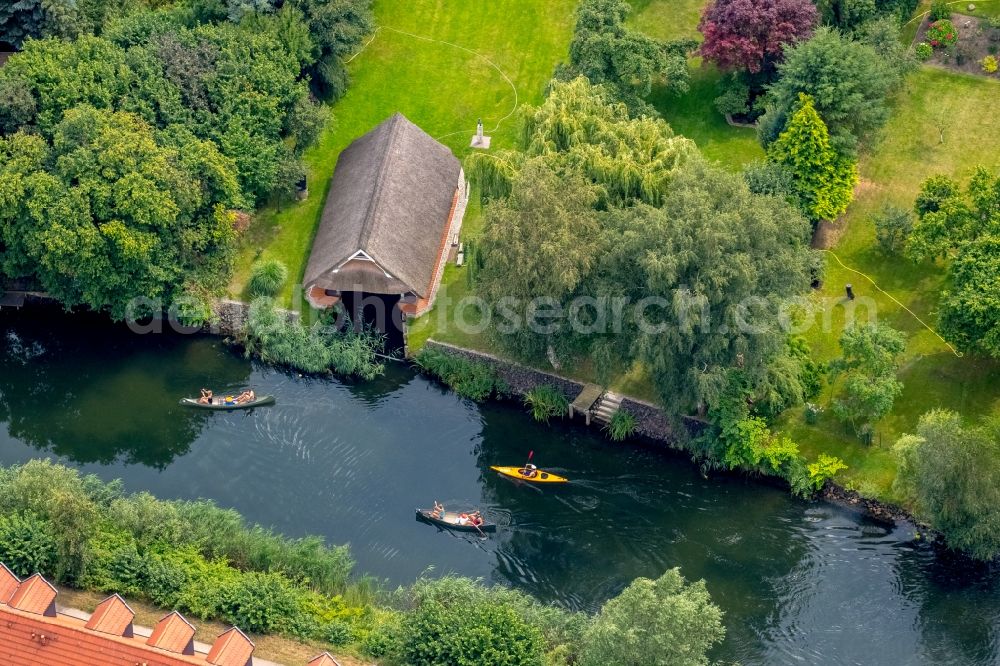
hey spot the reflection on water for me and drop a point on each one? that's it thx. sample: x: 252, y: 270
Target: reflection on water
x: 799, y: 582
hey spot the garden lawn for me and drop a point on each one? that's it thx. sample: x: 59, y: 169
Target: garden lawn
x: 441, y: 88
x: 694, y: 114
x: 933, y: 376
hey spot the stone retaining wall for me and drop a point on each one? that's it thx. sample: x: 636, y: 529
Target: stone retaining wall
x: 651, y: 422
x: 230, y: 317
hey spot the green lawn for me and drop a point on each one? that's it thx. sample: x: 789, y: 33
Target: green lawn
x: 694, y: 114
x: 442, y: 88
x: 909, y: 152
x: 667, y: 19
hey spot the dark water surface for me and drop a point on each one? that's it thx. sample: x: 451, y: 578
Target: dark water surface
x: 801, y: 583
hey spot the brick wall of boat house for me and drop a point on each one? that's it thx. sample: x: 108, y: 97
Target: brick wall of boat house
x: 651, y: 422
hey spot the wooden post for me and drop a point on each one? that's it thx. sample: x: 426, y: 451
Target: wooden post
x: 850, y: 292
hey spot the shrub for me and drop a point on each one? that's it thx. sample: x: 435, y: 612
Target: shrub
x: 267, y: 277
x: 942, y: 34
x: 27, y: 545
x: 734, y: 98
x: 261, y: 603
x: 337, y: 633
x: 989, y: 64
x: 940, y: 9
x: 469, y: 379
x: 924, y: 51
x: 455, y: 621
x: 892, y: 228
x: 621, y: 426
x: 824, y: 468
x: 666, y: 621
x: 546, y: 401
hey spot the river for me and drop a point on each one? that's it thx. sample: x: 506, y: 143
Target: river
x: 800, y: 582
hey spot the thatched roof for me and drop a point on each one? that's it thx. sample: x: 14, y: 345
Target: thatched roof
x: 390, y: 197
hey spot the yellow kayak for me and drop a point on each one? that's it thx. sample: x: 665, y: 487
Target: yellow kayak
x: 540, y: 476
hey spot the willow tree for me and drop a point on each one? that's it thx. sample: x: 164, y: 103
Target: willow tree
x: 705, y: 276
x: 581, y: 128
x: 538, y: 248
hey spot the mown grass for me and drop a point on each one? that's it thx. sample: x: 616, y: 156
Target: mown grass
x: 694, y: 114
x: 909, y: 152
x: 440, y: 87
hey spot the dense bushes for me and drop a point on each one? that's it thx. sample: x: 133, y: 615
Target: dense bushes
x: 208, y: 563
x: 270, y: 334
x: 186, y: 555
x: 470, y: 379
x: 454, y: 621
x: 216, y: 94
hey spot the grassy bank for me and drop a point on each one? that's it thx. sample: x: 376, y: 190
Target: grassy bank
x: 442, y: 87
x: 909, y: 152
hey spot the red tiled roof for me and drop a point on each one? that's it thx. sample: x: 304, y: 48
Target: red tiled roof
x: 35, y: 595
x: 27, y: 639
x: 8, y: 583
x: 232, y: 648
x: 174, y: 634
x: 323, y: 660
x: 112, y: 616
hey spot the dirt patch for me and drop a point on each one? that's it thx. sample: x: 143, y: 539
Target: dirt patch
x: 976, y: 40
x: 3, y: 57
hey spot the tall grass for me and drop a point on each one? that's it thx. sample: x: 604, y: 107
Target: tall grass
x: 546, y: 401
x: 267, y: 277
x: 469, y: 379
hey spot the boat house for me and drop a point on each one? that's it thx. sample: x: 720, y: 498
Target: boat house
x: 391, y: 219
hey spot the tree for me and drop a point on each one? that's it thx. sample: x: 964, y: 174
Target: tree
x: 581, y: 127
x: 541, y: 242
x: 847, y: 80
x: 752, y: 34
x: 106, y: 214
x: 892, y: 228
x: 870, y: 357
x: 607, y: 52
x: 949, y: 471
x: 666, y: 621
x: 963, y: 227
x: 705, y: 276
x: 970, y: 305
x: 823, y: 180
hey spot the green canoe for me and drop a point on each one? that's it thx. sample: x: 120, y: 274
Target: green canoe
x: 219, y: 403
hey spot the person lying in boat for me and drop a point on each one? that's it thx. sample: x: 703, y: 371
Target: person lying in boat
x: 476, y: 518
x: 529, y: 471
x: 206, y: 397
x: 438, y: 511
x: 245, y: 397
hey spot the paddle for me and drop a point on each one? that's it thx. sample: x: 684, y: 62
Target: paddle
x: 481, y: 533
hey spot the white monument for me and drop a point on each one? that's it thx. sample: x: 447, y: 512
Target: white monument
x: 480, y: 141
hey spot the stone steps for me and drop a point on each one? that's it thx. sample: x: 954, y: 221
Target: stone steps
x: 607, y: 406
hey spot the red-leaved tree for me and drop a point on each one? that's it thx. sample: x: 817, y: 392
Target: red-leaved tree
x: 749, y: 34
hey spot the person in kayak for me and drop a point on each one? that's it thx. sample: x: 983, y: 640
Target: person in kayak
x: 530, y: 471
x: 206, y: 397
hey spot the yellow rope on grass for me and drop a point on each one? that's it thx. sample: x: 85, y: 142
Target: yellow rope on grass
x: 893, y: 299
